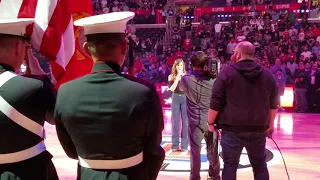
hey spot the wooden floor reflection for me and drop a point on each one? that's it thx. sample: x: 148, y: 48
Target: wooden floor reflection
x: 298, y: 136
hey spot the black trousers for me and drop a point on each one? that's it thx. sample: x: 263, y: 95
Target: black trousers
x: 138, y: 172
x: 36, y: 168
x: 146, y: 170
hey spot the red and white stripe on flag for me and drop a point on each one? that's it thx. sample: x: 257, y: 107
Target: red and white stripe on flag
x: 52, y: 34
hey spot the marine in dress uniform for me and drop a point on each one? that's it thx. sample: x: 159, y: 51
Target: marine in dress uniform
x: 111, y: 122
x: 25, y: 104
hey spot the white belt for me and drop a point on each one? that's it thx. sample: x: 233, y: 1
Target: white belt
x: 15, y: 115
x: 112, y: 164
x: 22, y: 155
x: 22, y: 121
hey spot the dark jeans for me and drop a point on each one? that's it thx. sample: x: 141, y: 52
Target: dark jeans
x: 179, y: 107
x: 196, y: 133
x: 232, y: 145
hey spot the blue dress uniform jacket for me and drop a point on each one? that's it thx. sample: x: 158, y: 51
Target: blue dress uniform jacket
x: 109, y: 116
x: 34, y: 99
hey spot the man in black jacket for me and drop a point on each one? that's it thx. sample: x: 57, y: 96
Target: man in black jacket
x: 245, y: 95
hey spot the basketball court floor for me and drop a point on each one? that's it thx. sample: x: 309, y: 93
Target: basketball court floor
x: 297, y: 135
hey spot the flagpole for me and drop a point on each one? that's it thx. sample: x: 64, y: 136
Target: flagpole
x: 130, y: 57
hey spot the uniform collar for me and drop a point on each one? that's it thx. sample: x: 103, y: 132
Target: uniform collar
x: 4, y: 67
x: 105, y: 66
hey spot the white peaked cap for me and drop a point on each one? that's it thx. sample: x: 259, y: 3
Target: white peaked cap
x: 15, y: 27
x: 115, y: 22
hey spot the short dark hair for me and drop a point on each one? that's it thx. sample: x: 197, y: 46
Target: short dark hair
x: 101, y: 45
x: 7, y: 40
x: 199, y: 59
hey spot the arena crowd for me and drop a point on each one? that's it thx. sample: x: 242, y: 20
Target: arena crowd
x: 286, y: 43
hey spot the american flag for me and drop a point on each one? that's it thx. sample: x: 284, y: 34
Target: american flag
x: 52, y: 34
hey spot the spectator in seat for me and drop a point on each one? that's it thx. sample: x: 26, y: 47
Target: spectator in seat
x: 148, y: 45
x: 115, y: 8
x: 221, y: 48
x: 313, y: 92
x: 159, y: 48
x: 289, y: 77
x: 229, y: 2
x: 301, y: 35
x: 306, y: 53
x: 164, y: 16
x: 308, y: 67
x: 163, y: 73
x: 179, y: 53
x: 188, y: 26
x: 187, y: 45
x: 293, y: 31
x: 138, y: 65
x: 301, y: 80
x: 240, y: 36
x: 223, y: 63
x: 125, y: 7
x: 171, y: 59
x: 260, y: 2
x: 292, y: 55
x: 315, y: 48
x: 153, y: 73
x: 230, y: 48
x: 137, y: 46
x: 179, y: 42
x: 217, y: 28
x: 125, y: 70
x: 153, y: 59
x: 279, y: 74
x: 200, y: 28
x: 136, y: 74
x: 178, y: 16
